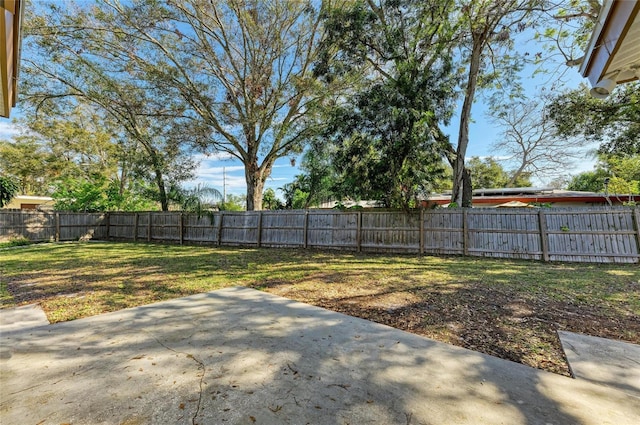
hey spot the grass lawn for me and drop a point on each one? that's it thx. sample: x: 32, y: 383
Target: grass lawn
x: 510, y: 309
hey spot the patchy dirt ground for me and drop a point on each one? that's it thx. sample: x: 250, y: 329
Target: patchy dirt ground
x: 478, y: 317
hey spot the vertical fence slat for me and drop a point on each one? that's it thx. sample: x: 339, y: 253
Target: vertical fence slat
x: 306, y: 228
x: 359, y: 232
x: 542, y: 225
x: 465, y: 232
x: 149, y: 227
x: 220, y: 227
x: 421, y: 231
x: 259, y: 230
x: 57, y: 236
x: 636, y: 224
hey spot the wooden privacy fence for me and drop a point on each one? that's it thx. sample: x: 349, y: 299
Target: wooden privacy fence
x: 579, y: 235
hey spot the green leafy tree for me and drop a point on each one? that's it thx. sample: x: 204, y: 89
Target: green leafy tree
x: 614, y: 122
x: 26, y: 162
x: 379, y: 135
x: 240, y: 70
x: 97, y: 193
x: 198, y: 199
x: 270, y: 201
x: 487, y: 173
x: 588, y: 181
x: 233, y: 203
x: 612, y: 174
x: 486, y: 37
x: 564, y: 30
x: 8, y: 189
x: 82, y: 195
x: 316, y: 183
x: 74, y: 60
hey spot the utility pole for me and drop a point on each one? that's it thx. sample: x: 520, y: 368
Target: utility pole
x: 224, y: 184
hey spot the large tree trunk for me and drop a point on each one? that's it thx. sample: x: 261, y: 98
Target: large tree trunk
x: 255, y: 185
x: 162, y: 192
x: 255, y: 177
x: 461, y: 194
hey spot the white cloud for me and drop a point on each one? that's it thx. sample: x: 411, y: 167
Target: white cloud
x: 8, y: 129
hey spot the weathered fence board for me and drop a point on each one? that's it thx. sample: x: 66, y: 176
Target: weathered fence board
x: 578, y: 235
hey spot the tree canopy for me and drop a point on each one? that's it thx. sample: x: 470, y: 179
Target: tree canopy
x: 232, y: 76
x: 613, y: 122
x: 487, y: 173
x: 396, y: 59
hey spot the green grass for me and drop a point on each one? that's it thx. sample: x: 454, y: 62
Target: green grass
x: 118, y: 275
x: 20, y: 241
x: 503, y: 307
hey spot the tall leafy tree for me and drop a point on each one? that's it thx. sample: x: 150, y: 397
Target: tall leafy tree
x: 488, y: 173
x: 241, y: 69
x: 613, y: 174
x: 486, y: 38
x: 25, y: 162
x: 379, y: 135
x: 72, y: 58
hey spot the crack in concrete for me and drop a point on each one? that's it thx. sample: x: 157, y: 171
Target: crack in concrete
x: 200, y: 367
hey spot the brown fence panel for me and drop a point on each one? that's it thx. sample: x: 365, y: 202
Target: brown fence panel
x: 81, y: 226
x: 390, y: 231
x: 332, y: 229
x: 282, y: 228
x: 600, y: 236
x: 443, y: 232
x: 240, y: 228
x: 34, y: 225
x: 121, y: 225
x: 504, y: 233
x: 201, y: 228
x: 165, y: 226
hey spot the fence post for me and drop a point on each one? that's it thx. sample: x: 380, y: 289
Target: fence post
x: 220, y: 228
x: 259, y: 236
x: 306, y: 228
x: 135, y: 227
x: 359, y: 232
x: 636, y: 224
x: 57, y: 235
x: 422, y: 231
x: 149, y: 228
x: 181, y: 227
x: 465, y: 232
x: 542, y: 223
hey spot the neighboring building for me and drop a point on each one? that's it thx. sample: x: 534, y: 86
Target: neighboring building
x: 23, y: 202
x: 513, y: 197
x: 10, y: 45
x: 531, y: 196
x: 613, y: 54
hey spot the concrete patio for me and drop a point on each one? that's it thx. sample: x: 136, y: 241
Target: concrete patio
x: 241, y: 356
